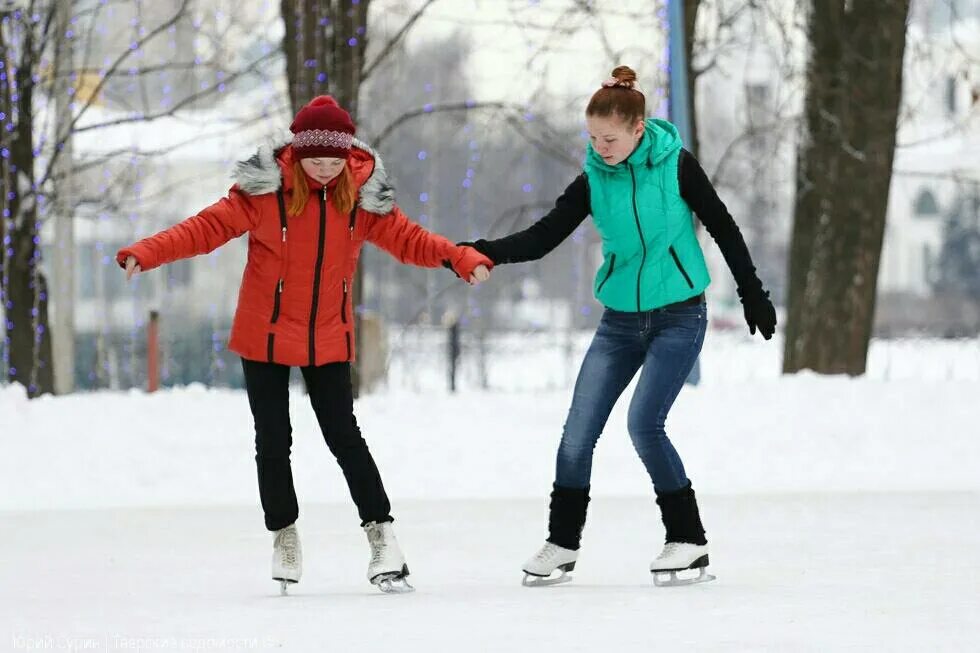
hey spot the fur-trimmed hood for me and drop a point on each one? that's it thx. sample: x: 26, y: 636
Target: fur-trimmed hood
x: 261, y: 173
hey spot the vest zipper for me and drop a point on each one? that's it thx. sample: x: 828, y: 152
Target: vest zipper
x: 612, y: 265
x: 643, y: 244
x: 321, y: 243
x: 680, y: 267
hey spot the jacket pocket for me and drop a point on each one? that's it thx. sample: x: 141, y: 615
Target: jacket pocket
x: 680, y: 267
x: 612, y: 265
x: 276, y: 301
x: 343, y: 304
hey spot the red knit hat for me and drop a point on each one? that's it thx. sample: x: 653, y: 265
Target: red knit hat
x: 322, y: 128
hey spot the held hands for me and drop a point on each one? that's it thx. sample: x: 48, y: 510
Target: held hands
x: 480, y: 274
x: 470, y: 265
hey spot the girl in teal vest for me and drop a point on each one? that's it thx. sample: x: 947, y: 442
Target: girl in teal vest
x: 640, y: 187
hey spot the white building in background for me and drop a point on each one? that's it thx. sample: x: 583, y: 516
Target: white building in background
x: 937, y: 162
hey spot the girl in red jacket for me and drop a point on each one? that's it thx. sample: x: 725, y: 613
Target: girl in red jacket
x: 308, y: 207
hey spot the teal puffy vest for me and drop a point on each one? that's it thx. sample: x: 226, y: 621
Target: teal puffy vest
x: 651, y: 255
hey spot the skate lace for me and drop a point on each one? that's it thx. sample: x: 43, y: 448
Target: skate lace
x: 669, y: 549
x: 286, y: 543
x: 378, y: 544
x: 546, y: 552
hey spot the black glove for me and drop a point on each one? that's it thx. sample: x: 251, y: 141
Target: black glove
x: 759, y: 312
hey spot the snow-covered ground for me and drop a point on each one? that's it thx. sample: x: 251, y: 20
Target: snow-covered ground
x: 842, y: 515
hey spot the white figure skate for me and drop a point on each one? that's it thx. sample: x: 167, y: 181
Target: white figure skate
x: 287, y: 558
x: 550, y: 557
x: 387, y: 568
x: 680, y: 556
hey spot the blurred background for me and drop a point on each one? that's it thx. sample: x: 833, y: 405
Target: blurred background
x: 846, y: 145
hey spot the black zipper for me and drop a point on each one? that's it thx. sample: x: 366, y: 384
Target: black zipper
x: 636, y: 215
x: 343, y: 301
x: 271, y: 341
x: 612, y: 264
x: 680, y: 267
x: 280, y: 283
x: 343, y: 304
x: 321, y: 244
x: 275, y: 303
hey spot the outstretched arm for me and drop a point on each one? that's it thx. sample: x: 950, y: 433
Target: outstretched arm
x: 571, y: 208
x: 227, y: 218
x: 411, y: 243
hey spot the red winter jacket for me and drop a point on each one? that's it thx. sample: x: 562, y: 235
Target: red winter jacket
x: 294, y: 304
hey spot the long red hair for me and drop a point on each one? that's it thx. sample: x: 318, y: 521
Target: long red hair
x: 342, y: 195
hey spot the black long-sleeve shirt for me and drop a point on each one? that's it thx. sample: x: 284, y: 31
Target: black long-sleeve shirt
x: 573, y: 206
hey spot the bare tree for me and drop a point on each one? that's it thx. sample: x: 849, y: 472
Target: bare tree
x: 33, y: 141
x: 844, y: 169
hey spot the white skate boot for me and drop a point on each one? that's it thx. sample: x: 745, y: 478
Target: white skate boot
x: 538, y: 569
x: 680, y: 556
x: 287, y: 558
x: 387, y: 568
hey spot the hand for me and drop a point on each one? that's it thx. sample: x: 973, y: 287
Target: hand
x: 760, y: 314
x: 480, y: 274
x: 132, y: 267
x: 469, y: 264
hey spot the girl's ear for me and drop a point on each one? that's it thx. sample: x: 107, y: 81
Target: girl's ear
x: 639, y: 128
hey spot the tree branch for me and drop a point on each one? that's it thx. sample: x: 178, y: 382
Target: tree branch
x: 148, y: 118
x: 458, y: 106
x: 396, y: 39
x: 108, y: 75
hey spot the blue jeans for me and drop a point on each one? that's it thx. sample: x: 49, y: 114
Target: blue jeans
x: 665, y: 342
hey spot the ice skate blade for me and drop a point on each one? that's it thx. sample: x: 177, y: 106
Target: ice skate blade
x: 284, y: 584
x: 394, y: 582
x: 668, y: 578
x: 395, y: 586
x: 533, y: 580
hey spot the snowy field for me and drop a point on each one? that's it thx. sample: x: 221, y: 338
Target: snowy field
x: 842, y: 515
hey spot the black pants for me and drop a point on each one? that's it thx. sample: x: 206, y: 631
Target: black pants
x: 331, y: 395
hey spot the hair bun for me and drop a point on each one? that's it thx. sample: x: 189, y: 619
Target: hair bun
x: 624, y: 76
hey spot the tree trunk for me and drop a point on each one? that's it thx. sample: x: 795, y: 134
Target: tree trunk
x: 844, y: 167
x: 23, y: 288
x: 324, y: 47
x: 30, y: 341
